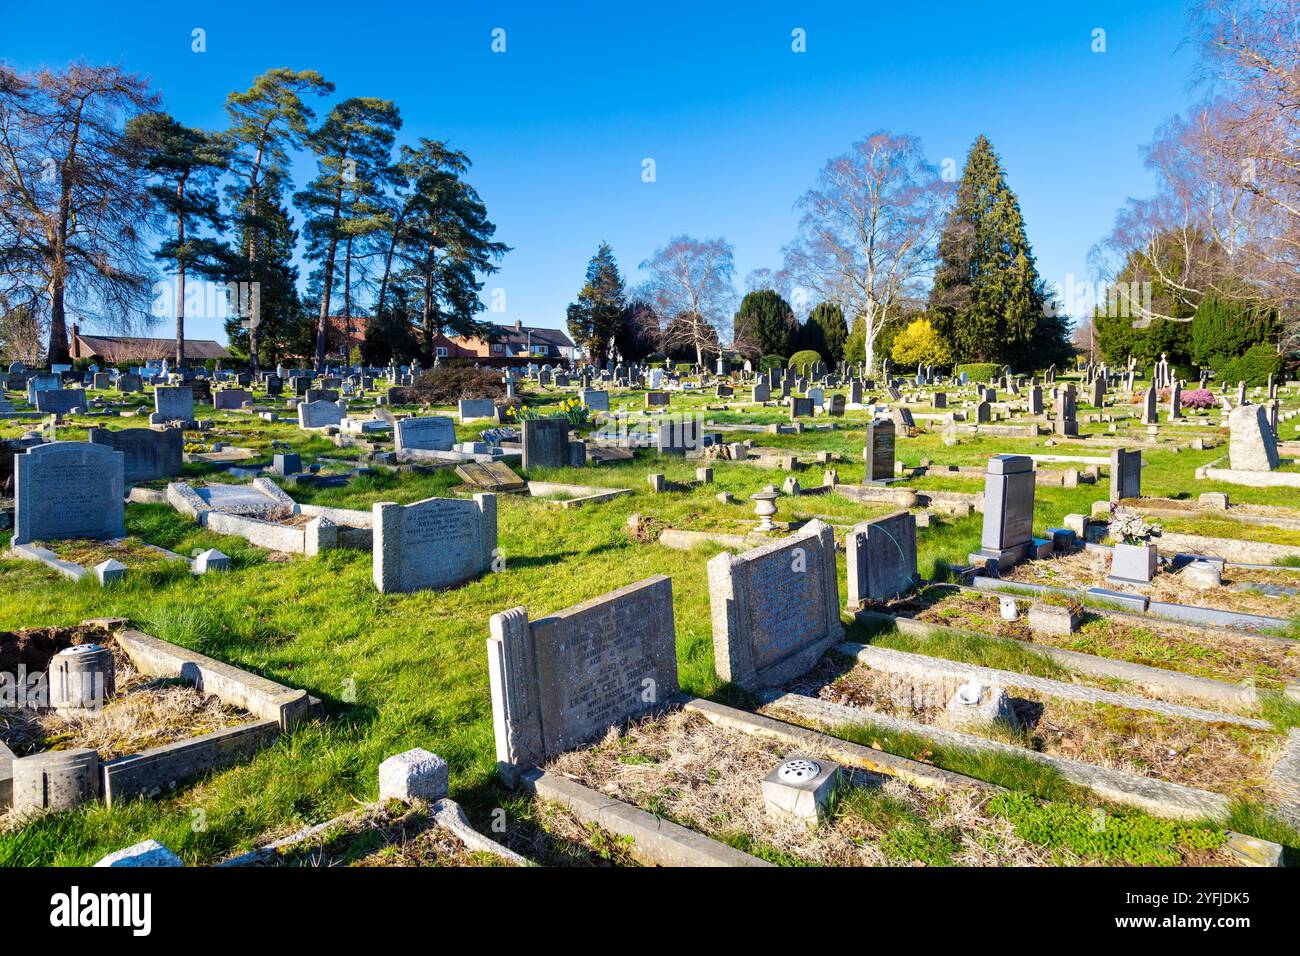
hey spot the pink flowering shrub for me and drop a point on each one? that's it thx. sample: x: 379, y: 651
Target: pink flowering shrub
x: 1199, y: 398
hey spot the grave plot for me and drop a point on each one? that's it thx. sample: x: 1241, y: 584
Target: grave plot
x: 926, y: 621
x: 1193, y: 747
x: 264, y: 515
x: 103, y: 712
x: 106, y: 561
x: 1254, y: 591
x: 713, y: 779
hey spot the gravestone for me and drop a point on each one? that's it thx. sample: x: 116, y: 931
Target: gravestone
x: 545, y: 443
x: 1036, y: 400
x: 320, y: 414
x: 147, y: 454
x: 174, y: 403
x: 881, y: 559
x: 1149, y: 414
x: 1176, y: 400
x: 231, y: 399
x: 563, y: 680
x: 801, y: 407
x: 471, y: 408
x: 879, y: 451
x: 595, y: 399
x: 1066, y: 422
x: 101, y: 381
x: 40, y: 382
x: 762, y: 393
x: 1125, y: 474
x: 982, y: 413
x: 939, y: 400
x: 67, y: 489
x: 678, y: 435
x: 655, y: 399
x: 775, y: 609
x: 60, y: 401
x: 1008, y: 511
x: 1251, y: 446
x: 430, y: 433
x: 835, y: 407
x: 817, y: 396
x: 434, y: 543
x: 129, y: 383
x: 902, y: 418
x: 494, y: 476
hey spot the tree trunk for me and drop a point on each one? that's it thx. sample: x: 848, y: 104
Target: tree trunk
x: 252, y: 270
x: 180, y: 276
x: 347, y: 302
x: 325, y: 305
x: 427, y: 317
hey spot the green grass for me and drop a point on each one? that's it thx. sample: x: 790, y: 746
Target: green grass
x: 1106, y: 837
x: 402, y: 671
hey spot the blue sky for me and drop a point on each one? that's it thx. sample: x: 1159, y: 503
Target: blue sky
x: 737, y: 124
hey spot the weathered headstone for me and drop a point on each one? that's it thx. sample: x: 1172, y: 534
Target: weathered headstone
x: 1125, y: 474
x: 471, y: 408
x: 68, y: 490
x: 231, y: 399
x: 881, y: 558
x: 147, y: 454
x: 1251, y: 446
x: 434, y: 543
x: 1008, y: 511
x: 879, y: 451
x: 597, y: 400
x: 60, y: 401
x: 430, y: 433
x: 775, y: 609
x: 174, y: 403
x: 565, y: 679
x: 545, y: 443
x: 320, y: 414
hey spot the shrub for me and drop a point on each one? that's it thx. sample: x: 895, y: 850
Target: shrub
x: 801, y: 360
x: 1222, y: 328
x: 771, y: 361
x: 979, y: 371
x: 448, y: 385
x: 920, y: 344
x: 1199, y: 398
x: 1253, y: 368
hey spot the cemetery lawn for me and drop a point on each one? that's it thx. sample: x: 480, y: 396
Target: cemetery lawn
x: 399, y: 671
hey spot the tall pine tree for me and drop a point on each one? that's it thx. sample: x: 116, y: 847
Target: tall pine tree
x: 987, y: 297
x: 594, y: 319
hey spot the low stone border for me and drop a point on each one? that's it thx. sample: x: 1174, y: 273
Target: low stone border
x: 1159, y: 797
x: 278, y: 709
x: 6, y: 775
x: 583, y: 494
x: 922, y: 666
x: 72, y: 570
x: 912, y: 772
x: 1252, y: 479
x: 1181, y: 613
x: 159, y: 770
x: 265, y: 699
x: 655, y: 841
x: 1154, y: 679
x: 1284, y: 781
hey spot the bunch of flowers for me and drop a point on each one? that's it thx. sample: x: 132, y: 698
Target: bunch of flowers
x: 571, y: 408
x: 1130, y: 527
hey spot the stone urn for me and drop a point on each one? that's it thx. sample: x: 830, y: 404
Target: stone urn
x: 765, y: 508
x: 1133, y: 563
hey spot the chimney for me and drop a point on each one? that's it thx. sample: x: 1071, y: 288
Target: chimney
x: 519, y: 325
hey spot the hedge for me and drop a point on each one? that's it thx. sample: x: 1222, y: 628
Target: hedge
x: 771, y: 361
x: 805, y: 358
x: 979, y: 371
x: 1253, y: 368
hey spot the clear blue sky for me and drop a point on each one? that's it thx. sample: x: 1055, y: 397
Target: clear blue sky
x: 737, y: 123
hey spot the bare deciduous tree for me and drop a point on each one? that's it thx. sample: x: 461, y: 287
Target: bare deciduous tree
x: 869, y: 230
x: 690, y: 282
x: 72, y: 197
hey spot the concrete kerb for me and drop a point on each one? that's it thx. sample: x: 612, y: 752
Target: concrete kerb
x: 655, y: 841
x: 921, y: 666
x: 1153, y: 679
x: 1158, y: 797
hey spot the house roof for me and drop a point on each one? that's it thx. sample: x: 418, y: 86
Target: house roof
x: 118, y: 348
x: 518, y: 334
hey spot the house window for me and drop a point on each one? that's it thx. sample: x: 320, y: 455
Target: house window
x: 497, y: 348
x: 442, y: 351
